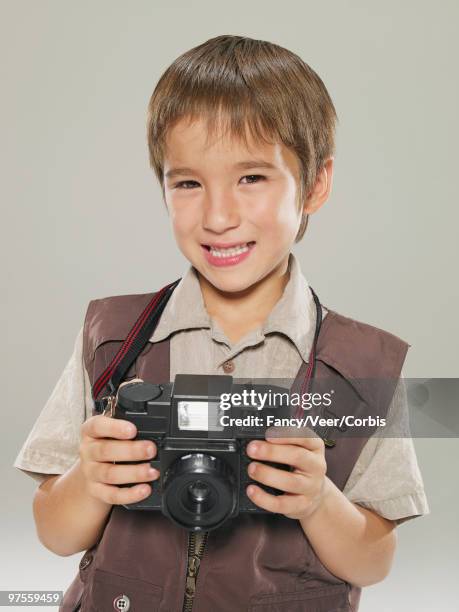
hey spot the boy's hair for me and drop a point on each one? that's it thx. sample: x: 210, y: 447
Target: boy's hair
x: 245, y: 83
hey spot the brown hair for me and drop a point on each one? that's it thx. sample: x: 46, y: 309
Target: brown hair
x: 253, y: 84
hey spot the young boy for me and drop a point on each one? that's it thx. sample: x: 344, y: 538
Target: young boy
x: 241, y: 138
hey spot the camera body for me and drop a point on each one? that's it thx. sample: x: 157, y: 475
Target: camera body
x: 201, y: 454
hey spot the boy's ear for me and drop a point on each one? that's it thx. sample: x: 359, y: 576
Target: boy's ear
x: 322, y: 188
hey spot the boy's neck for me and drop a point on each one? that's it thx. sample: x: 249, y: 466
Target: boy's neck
x: 237, y: 313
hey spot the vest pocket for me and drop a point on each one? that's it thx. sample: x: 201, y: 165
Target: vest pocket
x: 321, y: 599
x: 113, y: 592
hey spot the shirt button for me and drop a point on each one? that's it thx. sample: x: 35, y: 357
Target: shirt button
x: 85, y: 561
x: 228, y: 367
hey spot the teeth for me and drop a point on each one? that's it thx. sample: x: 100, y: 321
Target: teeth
x: 229, y: 252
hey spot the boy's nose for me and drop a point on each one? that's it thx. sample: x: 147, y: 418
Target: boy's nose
x: 220, y: 212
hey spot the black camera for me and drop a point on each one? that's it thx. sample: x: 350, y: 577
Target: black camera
x: 201, y: 443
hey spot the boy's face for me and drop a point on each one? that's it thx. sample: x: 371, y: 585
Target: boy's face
x: 216, y: 199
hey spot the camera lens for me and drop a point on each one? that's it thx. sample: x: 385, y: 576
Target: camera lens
x: 199, y: 491
x: 198, y: 497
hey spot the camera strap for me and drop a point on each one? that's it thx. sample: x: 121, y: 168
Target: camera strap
x: 133, y: 345
x: 311, y: 370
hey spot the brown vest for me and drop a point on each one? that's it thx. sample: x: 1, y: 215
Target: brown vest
x: 254, y: 563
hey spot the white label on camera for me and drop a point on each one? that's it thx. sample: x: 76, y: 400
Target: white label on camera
x: 199, y: 416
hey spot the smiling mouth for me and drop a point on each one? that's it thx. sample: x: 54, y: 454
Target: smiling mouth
x: 243, y: 247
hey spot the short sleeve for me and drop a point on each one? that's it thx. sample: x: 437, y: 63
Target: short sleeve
x: 386, y: 477
x: 52, y: 445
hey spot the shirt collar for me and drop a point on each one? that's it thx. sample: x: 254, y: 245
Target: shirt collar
x: 293, y: 315
x: 185, y: 308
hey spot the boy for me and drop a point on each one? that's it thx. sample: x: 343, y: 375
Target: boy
x: 241, y: 138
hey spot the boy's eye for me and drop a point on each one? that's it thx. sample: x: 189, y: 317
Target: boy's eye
x: 253, y: 176
x: 181, y: 184
x: 189, y: 184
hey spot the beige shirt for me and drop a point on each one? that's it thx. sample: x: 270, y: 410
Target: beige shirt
x: 386, y: 476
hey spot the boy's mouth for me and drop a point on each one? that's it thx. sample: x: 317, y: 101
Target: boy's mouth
x: 220, y: 254
x: 230, y: 250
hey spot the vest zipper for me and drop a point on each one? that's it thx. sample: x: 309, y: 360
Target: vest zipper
x: 195, y: 553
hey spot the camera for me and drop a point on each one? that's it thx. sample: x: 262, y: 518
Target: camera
x: 201, y: 444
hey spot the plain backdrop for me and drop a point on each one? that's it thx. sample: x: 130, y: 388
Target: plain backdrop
x: 82, y: 215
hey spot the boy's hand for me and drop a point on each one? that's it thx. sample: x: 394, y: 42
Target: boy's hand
x: 105, y: 440
x: 304, y: 486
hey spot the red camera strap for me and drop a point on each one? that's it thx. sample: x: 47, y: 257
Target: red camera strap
x: 134, y: 343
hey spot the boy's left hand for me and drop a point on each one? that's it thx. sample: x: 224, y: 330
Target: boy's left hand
x: 304, y: 486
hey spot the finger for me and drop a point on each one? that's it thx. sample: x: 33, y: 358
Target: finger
x: 110, y: 473
x: 121, y: 495
x: 106, y: 427
x: 282, y: 504
x: 301, y: 436
x: 296, y: 456
x: 288, y: 482
x: 117, y: 450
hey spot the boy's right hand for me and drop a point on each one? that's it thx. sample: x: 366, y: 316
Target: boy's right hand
x: 105, y: 440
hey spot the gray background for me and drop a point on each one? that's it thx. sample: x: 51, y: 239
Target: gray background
x: 83, y: 218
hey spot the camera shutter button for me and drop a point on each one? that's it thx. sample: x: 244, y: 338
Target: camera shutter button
x: 228, y: 366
